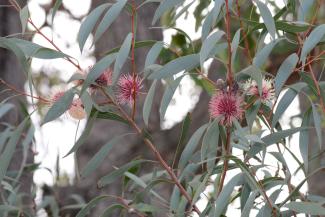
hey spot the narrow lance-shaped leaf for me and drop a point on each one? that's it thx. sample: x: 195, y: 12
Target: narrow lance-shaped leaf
x: 284, y: 72
x: 304, y: 8
x: 311, y: 41
x: 286, y: 100
x: 222, y: 200
x: 278, y: 136
x: 122, y: 57
x: 304, y: 139
x: 249, y: 204
x: 85, y: 211
x: 306, y: 207
x: 83, y: 136
x: 89, y: 24
x: 148, y: 102
x: 55, y: 8
x: 99, y: 157
x: 108, y: 179
x: 24, y: 15
x: 31, y: 49
x: 190, y: 147
x: 163, y: 7
x: 318, y: 124
x: 210, y: 19
x: 267, y: 18
x: 168, y: 95
x: 6, y: 156
x: 208, y: 45
x: 109, y: 18
x: 210, y: 144
x: 60, y: 106
x: 153, y: 53
x: 234, y: 45
x: 175, y: 66
x: 262, y: 55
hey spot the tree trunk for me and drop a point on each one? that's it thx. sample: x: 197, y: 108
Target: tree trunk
x: 12, y: 72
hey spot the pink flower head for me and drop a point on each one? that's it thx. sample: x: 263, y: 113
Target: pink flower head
x: 57, y: 96
x: 267, y: 89
x: 227, y: 106
x: 105, y: 79
x: 128, y: 88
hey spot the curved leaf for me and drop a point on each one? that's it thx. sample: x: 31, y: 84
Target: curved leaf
x: 109, y: 18
x: 148, y: 102
x: 122, y: 57
x: 284, y: 72
x: 175, y: 66
x: 89, y: 24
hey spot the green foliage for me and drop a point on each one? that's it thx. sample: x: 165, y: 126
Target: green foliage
x: 241, y: 144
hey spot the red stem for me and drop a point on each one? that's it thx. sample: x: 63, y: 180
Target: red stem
x: 230, y: 77
x: 133, y: 58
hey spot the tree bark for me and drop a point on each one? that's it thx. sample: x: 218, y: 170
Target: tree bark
x: 12, y: 72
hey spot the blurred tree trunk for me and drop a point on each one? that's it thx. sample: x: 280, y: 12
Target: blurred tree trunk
x: 11, y: 72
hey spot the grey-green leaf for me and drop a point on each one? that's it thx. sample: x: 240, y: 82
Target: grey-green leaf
x: 304, y: 139
x: 153, y: 53
x: 286, y: 100
x: 190, y: 146
x: 262, y: 55
x: 175, y: 66
x: 284, y: 72
x: 234, y: 45
x: 223, y: 199
x: 211, y: 17
x: 278, y: 136
x: 7, y: 154
x: 306, y: 207
x: 168, y: 95
x: 60, y: 106
x: 267, y: 18
x: 249, y: 204
x: 99, y: 157
x: 55, y: 8
x: 208, y: 45
x: 148, y: 102
x: 108, y: 179
x: 24, y: 15
x: 122, y: 57
x: 311, y: 41
x: 163, y: 7
x: 109, y: 18
x: 89, y: 23
x: 318, y: 124
x: 85, y: 211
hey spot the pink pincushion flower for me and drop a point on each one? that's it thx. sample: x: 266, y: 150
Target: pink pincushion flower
x: 128, y: 88
x: 105, y: 79
x: 226, y: 106
x: 267, y: 89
